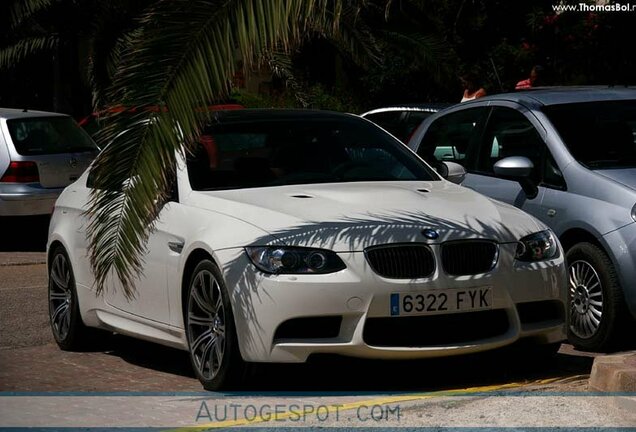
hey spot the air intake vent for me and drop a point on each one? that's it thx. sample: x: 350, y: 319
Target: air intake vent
x: 469, y: 257
x: 401, y: 261
x: 435, y: 330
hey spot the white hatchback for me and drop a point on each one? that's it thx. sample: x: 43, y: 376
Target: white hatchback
x: 293, y: 233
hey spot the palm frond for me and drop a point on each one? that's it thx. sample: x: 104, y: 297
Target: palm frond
x: 24, y: 48
x: 102, y: 65
x: 280, y: 63
x: 428, y: 51
x: 354, y: 38
x: 182, y: 59
x: 25, y: 9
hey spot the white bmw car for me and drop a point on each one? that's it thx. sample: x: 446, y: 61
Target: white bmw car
x: 293, y: 233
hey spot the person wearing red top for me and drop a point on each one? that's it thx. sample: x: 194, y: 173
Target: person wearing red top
x: 532, y: 80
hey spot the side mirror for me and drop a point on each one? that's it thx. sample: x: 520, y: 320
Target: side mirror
x: 451, y: 171
x: 514, y: 167
x: 518, y: 168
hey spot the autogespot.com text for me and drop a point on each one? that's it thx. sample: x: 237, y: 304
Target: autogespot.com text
x: 296, y: 413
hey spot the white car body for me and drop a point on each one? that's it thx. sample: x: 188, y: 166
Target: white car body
x: 346, y: 218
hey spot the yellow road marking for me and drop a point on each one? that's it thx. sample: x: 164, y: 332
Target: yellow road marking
x: 332, y: 407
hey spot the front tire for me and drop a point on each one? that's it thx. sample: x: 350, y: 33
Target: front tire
x: 69, y: 331
x: 210, y: 329
x: 595, y: 297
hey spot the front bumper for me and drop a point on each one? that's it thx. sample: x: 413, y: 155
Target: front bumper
x: 27, y: 199
x: 261, y: 303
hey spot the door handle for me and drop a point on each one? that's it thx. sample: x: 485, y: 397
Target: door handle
x: 176, y: 246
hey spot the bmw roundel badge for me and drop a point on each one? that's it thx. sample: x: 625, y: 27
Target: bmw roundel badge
x: 430, y: 234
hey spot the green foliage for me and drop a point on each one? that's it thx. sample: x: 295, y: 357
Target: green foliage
x: 313, y: 97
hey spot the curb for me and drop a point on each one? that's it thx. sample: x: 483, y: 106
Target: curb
x: 614, y: 373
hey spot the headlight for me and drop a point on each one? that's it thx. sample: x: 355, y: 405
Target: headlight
x: 537, y: 247
x: 294, y: 260
x: 634, y: 212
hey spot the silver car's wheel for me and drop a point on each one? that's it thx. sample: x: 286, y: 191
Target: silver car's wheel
x: 210, y: 329
x: 586, y: 299
x: 60, y: 297
x: 597, y: 313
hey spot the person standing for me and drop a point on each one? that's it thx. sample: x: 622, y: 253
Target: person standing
x: 532, y: 81
x: 472, y: 89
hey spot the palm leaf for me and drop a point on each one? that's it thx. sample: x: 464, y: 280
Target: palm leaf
x: 182, y: 59
x: 427, y: 51
x: 24, y: 48
x: 24, y: 9
x: 280, y: 63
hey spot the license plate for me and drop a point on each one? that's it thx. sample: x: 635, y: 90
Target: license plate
x: 441, y: 301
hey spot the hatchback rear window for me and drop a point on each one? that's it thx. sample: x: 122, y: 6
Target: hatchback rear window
x: 48, y: 135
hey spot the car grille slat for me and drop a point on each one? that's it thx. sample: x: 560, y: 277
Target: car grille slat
x: 406, y: 261
x: 469, y: 257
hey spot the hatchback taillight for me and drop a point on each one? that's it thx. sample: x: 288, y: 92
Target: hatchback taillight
x: 21, y: 172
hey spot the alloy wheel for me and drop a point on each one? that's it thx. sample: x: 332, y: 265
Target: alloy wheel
x: 586, y: 299
x: 60, y: 296
x: 206, y: 324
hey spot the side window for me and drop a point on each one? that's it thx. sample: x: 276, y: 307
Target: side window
x: 390, y: 121
x: 413, y: 120
x: 449, y: 137
x: 552, y: 175
x: 510, y: 133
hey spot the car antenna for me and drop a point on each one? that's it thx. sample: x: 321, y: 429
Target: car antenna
x: 494, y: 68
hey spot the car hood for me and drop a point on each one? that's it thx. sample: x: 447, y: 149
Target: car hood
x: 353, y: 216
x: 625, y: 176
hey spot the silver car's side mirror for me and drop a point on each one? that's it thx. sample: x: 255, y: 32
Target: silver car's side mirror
x: 518, y: 168
x: 451, y: 171
x: 514, y: 167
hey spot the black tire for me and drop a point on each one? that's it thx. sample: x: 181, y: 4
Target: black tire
x: 65, y: 319
x: 594, y: 295
x: 205, y: 314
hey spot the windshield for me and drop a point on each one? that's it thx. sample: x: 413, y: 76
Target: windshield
x: 300, y: 151
x: 600, y: 135
x: 49, y: 135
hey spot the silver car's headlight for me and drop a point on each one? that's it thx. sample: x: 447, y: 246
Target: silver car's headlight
x: 294, y: 260
x: 537, y: 247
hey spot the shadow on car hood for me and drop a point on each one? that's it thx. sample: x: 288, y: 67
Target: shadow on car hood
x: 353, y: 216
